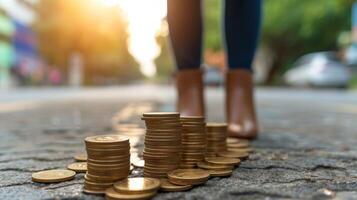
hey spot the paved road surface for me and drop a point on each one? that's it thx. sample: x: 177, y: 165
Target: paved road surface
x: 307, y: 148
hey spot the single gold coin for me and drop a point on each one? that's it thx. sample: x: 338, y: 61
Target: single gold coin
x: 112, y: 194
x: 232, y: 140
x: 238, y: 145
x: 215, y: 124
x: 139, y: 163
x: 95, y: 192
x: 53, y: 176
x: 205, y: 165
x: 241, y: 150
x: 137, y: 185
x: 82, y: 157
x: 169, y: 187
x: 107, y: 139
x: 78, y: 166
x: 161, y: 114
x: 223, y: 161
x: 220, y: 173
x: 232, y: 154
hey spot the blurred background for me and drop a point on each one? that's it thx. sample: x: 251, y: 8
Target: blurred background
x: 305, y: 43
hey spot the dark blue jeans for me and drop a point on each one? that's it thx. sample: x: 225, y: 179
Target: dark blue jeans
x: 242, y: 19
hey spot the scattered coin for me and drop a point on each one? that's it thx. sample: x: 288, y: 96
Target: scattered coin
x: 137, y: 185
x: 188, y: 176
x: 78, y: 167
x: 81, y: 157
x: 220, y: 173
x: 205, y: 165
x: 111, y: 194
x: 53, y: 176
x: 169, y: 187
x: 223, y: 161
x: 232, y: 154
x: 241, y: 150
x: 232, y: 140
x: 238, y: 145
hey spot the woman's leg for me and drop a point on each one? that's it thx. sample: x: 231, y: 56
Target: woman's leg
x: 185, y: 26
x: 242, y: 25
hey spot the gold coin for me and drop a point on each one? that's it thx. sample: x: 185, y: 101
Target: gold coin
x: 216, y: 124
x: 169, y: 187
x: 111, y: 194
x: 188, y: 176
x: 232, y: 154
x: 220, y: 173
x: 81, y: 157
x: 53, y: 176
x: 223, y: 161
x: 139, y: 163
x: 205, y: 165
x: 241, y: 150
x: 161, y: 114
x: 238, y: 145
x: 107, y: 139
x: 232, y: 140
x: 87, y: 191
x: 137, y: 185
x: 78, y: 166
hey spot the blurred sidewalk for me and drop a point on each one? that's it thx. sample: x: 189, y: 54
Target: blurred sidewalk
x: 307, y: 148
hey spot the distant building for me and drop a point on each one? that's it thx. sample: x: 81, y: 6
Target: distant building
x: 18, y: 46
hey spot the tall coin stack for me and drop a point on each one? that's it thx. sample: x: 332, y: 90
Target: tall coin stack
x: 216, y: 135
x: 162, y: 143
x: 193, y: 141
x: 108, y: 161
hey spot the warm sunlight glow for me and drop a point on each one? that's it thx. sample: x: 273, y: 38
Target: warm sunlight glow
x: 145, y: 20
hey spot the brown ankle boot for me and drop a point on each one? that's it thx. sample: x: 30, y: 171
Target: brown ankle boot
x: 189, y: 85
x: 240, y: 108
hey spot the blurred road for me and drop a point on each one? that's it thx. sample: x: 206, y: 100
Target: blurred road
x: 307, y: 148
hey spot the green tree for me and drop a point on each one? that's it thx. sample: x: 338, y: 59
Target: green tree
x: 295, y: 27
x: 291, y: 28
x: 96, y: 31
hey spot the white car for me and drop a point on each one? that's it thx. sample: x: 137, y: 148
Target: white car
x: 322, y: 69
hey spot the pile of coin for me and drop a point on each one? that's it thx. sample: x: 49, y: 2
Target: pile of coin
x: 193, y: 140
x: 216, y: 135
x: 162, y: 150
x: 108, y: 161
x: 188, y: 176
x: 133, y: 188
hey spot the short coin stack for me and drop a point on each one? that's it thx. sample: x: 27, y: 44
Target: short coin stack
x: 216, y: 135
x: 134, y: 188
x: 162, y: 151
x: 188, y: 176
x: 108, y: 161
x: 193, y: 141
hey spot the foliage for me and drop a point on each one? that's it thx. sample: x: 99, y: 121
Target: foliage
x: 290, y: 27
x: 96, y: 31
x: 295, y: 27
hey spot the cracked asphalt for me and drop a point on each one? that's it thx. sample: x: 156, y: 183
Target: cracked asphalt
x: 307, y: 147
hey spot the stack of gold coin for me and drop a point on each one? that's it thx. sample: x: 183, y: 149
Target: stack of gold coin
x: 108, y: 161
x: 216, y: 135
x: 188, y: 176
x: 162, y: 143
x: 193, y: 141
x: 134, y: 188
